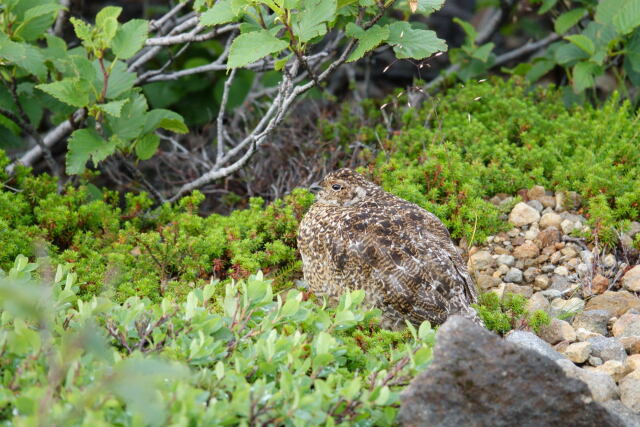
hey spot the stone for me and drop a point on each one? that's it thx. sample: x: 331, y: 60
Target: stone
x: 630, y: 391
x: 535, y: 192
x: 555, y: 258
x: 485, y: 281
x: 530, y: 274
x: 582, y: 269
x: 629, y: 418
x: 507, y: 260
x: 627, y: 325
x: 551, y: 294
x: 599, y: 284
x: 550, y: 219
x: 523, y: 214
x: 595, y: 361
x: 607, y: 349
x: 535, y: 205
x: 570, y: 307
x: 532, y: 232
x: 578, y: 352
x: 615, y: 303
x: 592, y: 320
x: 501, y: 271
x: 526, y: 250
x: 615, y: 369
x: 541, y: 282
x: 631, y: 279
x: 548, y: 201
x: 631, y: 344
x: 537, y: 302
x: 567, y: 226
x: 602, y: 386
x: 461, y: 386
x: 557, y: 330
x: 481, y: 260
x: 533, y: 342
x: 609, y: 261
x: 583, y: 335
x: 548, y: 237
x: 513, y: 275
x: 561, y: 271
x: 633, y: 362
x: 568, y: 252
x: 512, y: 288
x: 560, y: 283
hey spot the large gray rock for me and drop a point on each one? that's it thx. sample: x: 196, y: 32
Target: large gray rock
x: 478, y: 379
x: 607, y: 348
x: 531, y: 341
x: 629, y: 418
x: 592, y: 320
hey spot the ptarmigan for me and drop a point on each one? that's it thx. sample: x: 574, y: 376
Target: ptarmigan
x: 358, y: 236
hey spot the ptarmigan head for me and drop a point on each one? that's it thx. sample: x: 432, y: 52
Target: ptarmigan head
x: 344, y: 187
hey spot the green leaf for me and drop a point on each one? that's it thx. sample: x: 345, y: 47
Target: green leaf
x: 107, y: 22
x: 567, y: 53
x: 120, y: 80
x: 547, y: 5
x: 23, y: 55
x: 220, y: 13
x: 83, y: 145
x: 165, y: 119
x: 36, y: 21
x: 468, y: 29
x: 71, y: 91
x: 539, y: 69
x: 482, y: 53
x: 367, y: 40
x: 147, y: 145
x: 130, y: 38
x: 568, y: 19
x: 583, y: 42
x: 113, y: 108
x: 624, y: 15
x: 132, y: 119
x: 414, y: 43
x: 584, y: 74
x: 429, y: 6
x: 311, y: 21
x: 250, y: 47
x: 633, y: 50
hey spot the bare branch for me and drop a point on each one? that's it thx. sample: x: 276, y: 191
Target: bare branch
x: 223, y: 106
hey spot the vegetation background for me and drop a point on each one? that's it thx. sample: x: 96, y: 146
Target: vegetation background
x: 153, y: 159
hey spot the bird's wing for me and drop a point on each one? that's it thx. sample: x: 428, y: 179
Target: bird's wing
x: 424, y: 275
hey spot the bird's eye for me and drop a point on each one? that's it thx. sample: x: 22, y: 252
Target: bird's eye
x: 336, y: 187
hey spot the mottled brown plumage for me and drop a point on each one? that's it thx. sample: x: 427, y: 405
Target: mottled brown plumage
x: 358, y: 236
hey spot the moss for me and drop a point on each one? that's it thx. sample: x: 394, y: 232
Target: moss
x: 504, y: 314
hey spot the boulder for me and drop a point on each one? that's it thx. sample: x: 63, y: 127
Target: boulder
x: 615, y: 303
x: 523, y: 214
x: 631, y: 279
x: 478, y: 379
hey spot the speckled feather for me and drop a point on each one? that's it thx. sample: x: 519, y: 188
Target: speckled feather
x: 358, y: 236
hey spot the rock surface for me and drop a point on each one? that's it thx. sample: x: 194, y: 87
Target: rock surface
x: 460, y: 387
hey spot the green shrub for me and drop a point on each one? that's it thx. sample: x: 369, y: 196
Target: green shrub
x: 504, y: 314
x: 253, y: 360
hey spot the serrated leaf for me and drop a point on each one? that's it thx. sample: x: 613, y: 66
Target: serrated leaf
x: 567, y: 53
x: 624, y: 15
x: 71, y: 91
x: 113, y: 108
x: 23, y: 55
x: 568, y: 19
x: 84, y: 32
x: 165, y: 119
x: 130, y: 38
x: 584, y: 74
x: 147, y: 145
x: 120, y: 80
x: 312, y: 20
x: 106, y: 16
x: 602, y: 35
x: 583, y: 42
x: 482, y: 53
x: 429, y: 6
x: 36, y: 20
x: 220, y: 13
x: 414, y: 43
x: 367, y: 40
x: 132, y: 119
x: 250, y: 47
x: 83, y: 145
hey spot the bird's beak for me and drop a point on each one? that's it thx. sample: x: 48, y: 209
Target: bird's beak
x: 315, y: 188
